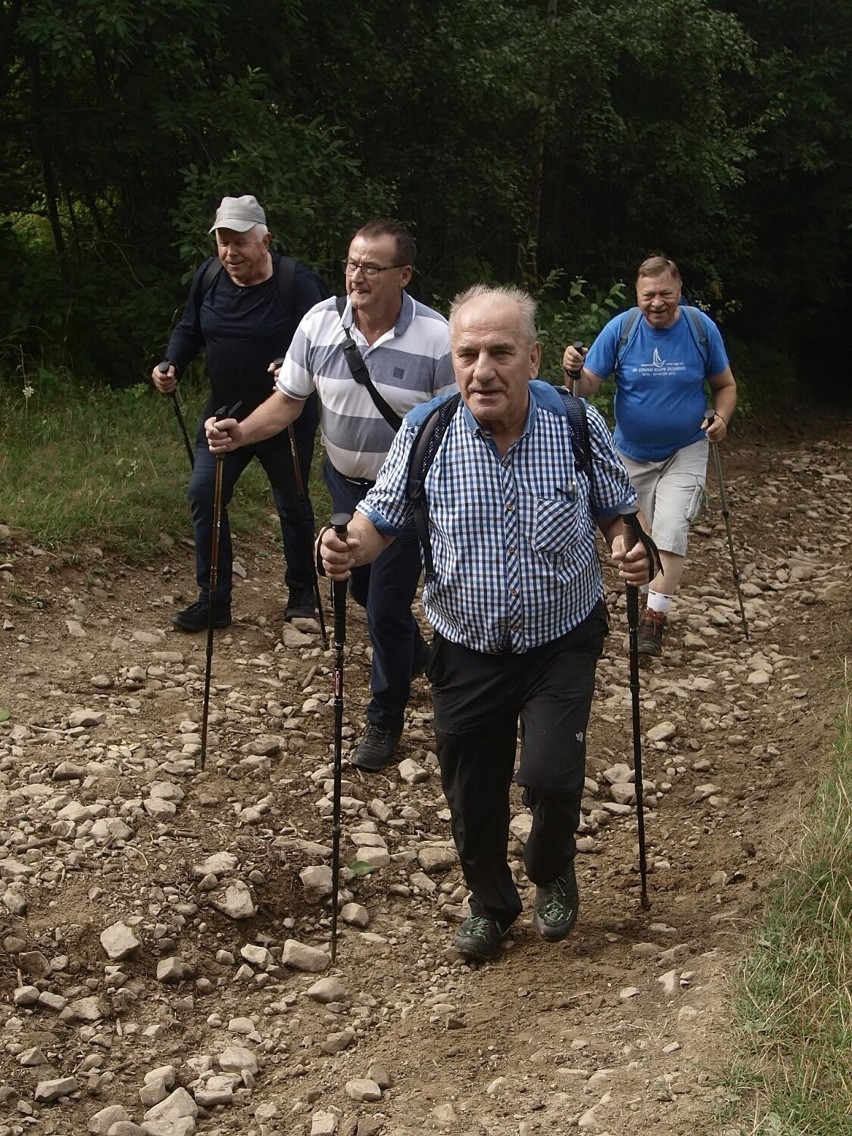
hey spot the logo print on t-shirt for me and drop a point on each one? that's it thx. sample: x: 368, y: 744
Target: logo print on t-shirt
x: 657, y: 360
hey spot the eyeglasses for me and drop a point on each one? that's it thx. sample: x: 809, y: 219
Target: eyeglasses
x: 350, y: 267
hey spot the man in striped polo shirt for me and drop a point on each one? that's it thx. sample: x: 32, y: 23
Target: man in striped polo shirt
x: 405, y: 348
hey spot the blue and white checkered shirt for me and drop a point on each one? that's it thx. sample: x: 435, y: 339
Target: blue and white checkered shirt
x: 513, y: 537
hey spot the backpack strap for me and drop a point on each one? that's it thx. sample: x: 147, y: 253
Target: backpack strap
x: 699, y: 335
x: 578, y: 419
x: 287, y: 280
x: 426, y: 444
x: 628, y: 328
x: 361, y: 375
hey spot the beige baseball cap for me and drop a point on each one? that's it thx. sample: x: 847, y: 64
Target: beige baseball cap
x: 239, y: 214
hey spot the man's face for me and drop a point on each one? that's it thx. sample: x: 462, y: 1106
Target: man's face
x: 658, y: 298
x: 494, y: 359
x: 380, y: 293
x: 244, y: 256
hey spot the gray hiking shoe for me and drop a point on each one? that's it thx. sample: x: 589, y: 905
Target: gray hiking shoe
x: 556, y: 906
x: 479, y: 938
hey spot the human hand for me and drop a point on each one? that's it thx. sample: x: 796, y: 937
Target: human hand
x: 164, y: 377
x: 337, y: 553
x: 634, y: 564
x: 715, y: 426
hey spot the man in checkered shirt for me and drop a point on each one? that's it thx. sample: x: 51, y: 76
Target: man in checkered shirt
x: 516, y: 604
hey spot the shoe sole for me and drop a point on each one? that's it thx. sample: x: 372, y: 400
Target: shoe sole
x: 475, y: 955
x: 367, y: 768
x: 218, y: 626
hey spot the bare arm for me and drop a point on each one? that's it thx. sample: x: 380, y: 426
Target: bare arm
x: 724, y: 388
x: 363, y: 544
x: 270, y: 418
x: 587, y: 381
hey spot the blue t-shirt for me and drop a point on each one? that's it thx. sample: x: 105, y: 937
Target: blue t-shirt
x: 660, y: 399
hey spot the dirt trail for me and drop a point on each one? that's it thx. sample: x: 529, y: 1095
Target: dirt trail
x: 105, y: 821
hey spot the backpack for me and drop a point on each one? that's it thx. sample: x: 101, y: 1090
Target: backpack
x: 428, y: 439
x: 693, y: 321
x: 286, y: 280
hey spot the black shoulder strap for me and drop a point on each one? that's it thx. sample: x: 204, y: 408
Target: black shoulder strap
x: 426, y: 443
x: 286, y: 280
x: 699, y: 334
x: 575, y: 408
x: 626, y: 328
x: 360, y: 373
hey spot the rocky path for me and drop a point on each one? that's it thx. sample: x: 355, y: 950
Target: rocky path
x: 165, y: 966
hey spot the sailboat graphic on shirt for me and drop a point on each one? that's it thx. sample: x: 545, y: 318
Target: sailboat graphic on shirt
x: 657, y: 360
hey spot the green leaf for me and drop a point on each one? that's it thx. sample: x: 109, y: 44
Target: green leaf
x: 361, y: 868
x: 5, y: 715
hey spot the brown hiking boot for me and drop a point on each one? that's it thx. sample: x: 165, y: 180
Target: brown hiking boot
x: 651, y: 628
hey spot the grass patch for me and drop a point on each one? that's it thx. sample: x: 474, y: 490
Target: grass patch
x: 109, y: 467
x: 794, y: 997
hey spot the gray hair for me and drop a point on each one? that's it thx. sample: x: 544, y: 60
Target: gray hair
x: 524, y: 302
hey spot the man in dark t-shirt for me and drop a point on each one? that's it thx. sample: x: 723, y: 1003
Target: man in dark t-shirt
x: 240, y: 320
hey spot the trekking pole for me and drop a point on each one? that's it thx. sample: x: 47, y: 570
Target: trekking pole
x: 633, y: 533
x: 223, y: 412
x: 300, y: 489
x: 575, y: 376
x: 726, y: 513
x: 163, y: 368
x: 339, y: 522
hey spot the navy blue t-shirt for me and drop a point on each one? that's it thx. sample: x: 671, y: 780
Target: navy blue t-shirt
x: 241, y: 330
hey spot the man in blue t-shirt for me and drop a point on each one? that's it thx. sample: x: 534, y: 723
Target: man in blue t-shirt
x: 662, y: 423
x: 241, y: 320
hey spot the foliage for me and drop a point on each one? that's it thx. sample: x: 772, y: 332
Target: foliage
x: 124, y: 466
x: 795, y: 1011
x: 537, y: 141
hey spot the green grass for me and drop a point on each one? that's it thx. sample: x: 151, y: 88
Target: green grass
x: 793, y: 1062
x: 109, y: 467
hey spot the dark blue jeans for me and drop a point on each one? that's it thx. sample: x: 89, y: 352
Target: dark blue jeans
x: 386, y: 588
x: 294, y: 509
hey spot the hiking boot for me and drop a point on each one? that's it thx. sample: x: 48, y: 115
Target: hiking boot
x: 377, y: 748
x: 651, y: 628
x: 301, y: 604
x: 556, y: 906
x: 421, y: 658
x: 479, y: 938
x: 196, y: 617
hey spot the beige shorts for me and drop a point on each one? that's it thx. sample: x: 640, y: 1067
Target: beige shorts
x: 671, y: 493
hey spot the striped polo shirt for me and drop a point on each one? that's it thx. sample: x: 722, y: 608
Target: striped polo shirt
x: 410, y: 364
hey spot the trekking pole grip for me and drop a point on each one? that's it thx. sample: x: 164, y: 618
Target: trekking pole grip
x: 575, y: 375
x: 340, y: 523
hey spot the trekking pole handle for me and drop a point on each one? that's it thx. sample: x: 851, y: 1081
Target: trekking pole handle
x: 224, y: 412
x: 575, y: 375
x: 340, y: 523
x: 163, y: 367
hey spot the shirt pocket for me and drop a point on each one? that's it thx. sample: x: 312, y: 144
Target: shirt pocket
x: 557, y: 527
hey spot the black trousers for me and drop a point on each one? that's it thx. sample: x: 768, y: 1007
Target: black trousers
x: 478, y: 701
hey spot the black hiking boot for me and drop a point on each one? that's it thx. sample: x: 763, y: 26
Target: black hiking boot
x: 301, y: 604
x: 377, y: 748
x: 196, y: 616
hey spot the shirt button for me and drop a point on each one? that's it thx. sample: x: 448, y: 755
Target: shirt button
x: 509, y: 506
x: 511, y: 550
